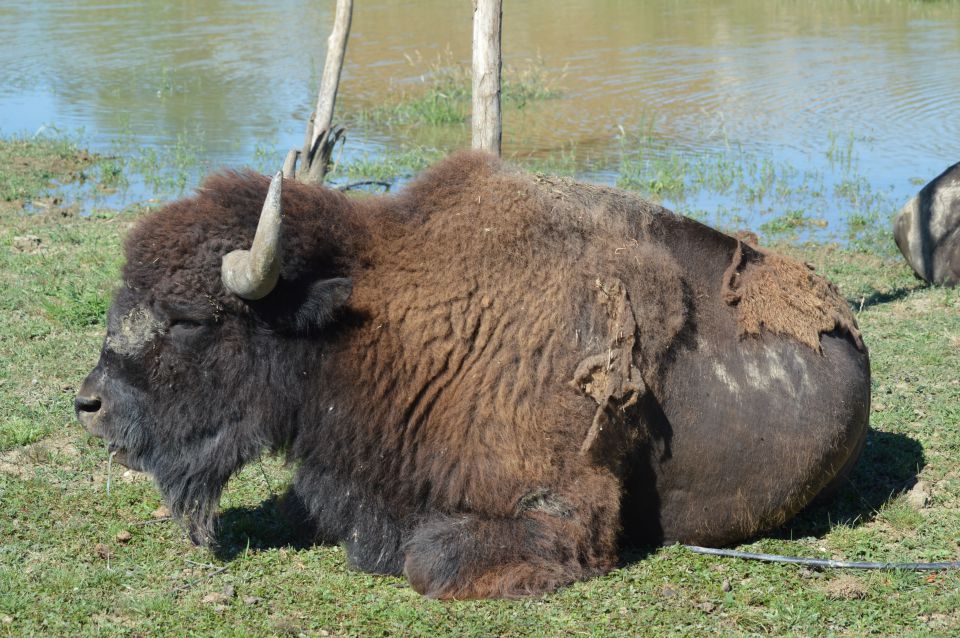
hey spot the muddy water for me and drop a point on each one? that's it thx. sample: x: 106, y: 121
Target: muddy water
x: 234, y: 79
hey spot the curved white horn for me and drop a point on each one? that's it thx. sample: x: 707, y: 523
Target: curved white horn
x: 252, y: 274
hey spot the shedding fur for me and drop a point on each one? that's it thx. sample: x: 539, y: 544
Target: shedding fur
x: 785, y: 297
x: 610, y: 377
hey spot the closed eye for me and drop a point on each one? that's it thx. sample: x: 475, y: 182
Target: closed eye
x: 186, y: 323
x: 183, y: 328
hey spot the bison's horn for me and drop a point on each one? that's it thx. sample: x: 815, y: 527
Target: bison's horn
x: 252, y: 274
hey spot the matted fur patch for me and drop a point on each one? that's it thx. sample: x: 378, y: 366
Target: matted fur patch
x: 610, y: 378
x: 786, y: 297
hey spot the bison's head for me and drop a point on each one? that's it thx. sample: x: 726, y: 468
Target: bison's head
x: 208, y: 345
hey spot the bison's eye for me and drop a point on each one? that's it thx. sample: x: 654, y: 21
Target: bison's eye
x: 185, y: 323
x: 186, y: 328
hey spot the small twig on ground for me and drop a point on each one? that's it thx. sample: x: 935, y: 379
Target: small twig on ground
x: 189, y: 584
x: 162, y: 519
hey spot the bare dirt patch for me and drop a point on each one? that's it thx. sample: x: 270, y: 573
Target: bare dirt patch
x: 60, y: 451
x: 845, y: 587
x: 23, y: 462
x: 29, y: 168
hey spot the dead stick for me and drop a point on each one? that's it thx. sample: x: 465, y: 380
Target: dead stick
x: 312, y: 160
x: 162, y: 519
x: 193, y: 582
x: 369, y: 182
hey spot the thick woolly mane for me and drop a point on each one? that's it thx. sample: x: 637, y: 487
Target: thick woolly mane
x: 177, y: 250
x: 469, y: 205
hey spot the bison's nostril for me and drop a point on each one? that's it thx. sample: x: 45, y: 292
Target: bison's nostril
x: 86, y: 404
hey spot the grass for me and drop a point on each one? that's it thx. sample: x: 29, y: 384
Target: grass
x: 442, y: 96
x: 66, y: 569
x: 736, y: 188
x: 32, y: 164
x: 403, y: 164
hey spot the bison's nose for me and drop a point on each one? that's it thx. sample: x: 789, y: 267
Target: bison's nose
x: 86, y: 406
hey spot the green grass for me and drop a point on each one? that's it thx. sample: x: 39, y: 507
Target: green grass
x: 403, y: 164
x: 442, y: 97
x: 30, y: 165
x: 164, y: 170
x: 63, y: 571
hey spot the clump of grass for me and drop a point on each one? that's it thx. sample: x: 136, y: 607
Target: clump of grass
x: 841, y: 152
x: 389, y: 168
x: 30, y: 165
x: 658, y: 177
x: 530, y: 81
x: 111, y: 174
x: 168, y: 170
x: 442, y: 95
x: 747, y: 189
x: 790, y: 223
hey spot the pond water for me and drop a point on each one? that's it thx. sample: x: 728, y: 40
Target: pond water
x: 814, y: 88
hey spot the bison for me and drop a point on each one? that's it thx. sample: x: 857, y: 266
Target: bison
x: 488, y: 382
x: 927, y: 229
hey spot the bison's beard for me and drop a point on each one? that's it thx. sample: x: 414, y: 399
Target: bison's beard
x: 192, y: 472
x: 192, y: 489
x: 193, y: 501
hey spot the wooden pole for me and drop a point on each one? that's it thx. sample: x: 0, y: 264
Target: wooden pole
x: 487, y: 26
x: 321, y: 136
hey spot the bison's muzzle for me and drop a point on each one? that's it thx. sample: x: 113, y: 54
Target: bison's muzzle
x: 87, y: 408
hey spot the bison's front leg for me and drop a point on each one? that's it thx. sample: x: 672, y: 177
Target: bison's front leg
x: 327, y: 508
x: 551, y: 542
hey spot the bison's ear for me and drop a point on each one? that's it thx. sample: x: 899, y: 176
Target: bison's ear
x: 323, y: 299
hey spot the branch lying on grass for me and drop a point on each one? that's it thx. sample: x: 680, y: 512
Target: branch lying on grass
x: 822, y: 562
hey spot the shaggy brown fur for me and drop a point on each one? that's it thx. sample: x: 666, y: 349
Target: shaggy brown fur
x: 785, y: 297
x: 517, y: 355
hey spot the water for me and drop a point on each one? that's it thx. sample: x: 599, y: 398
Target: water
x: 231, y: 82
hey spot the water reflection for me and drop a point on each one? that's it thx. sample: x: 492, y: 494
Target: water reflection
x: 233, y: 76
x: 156, y: 70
